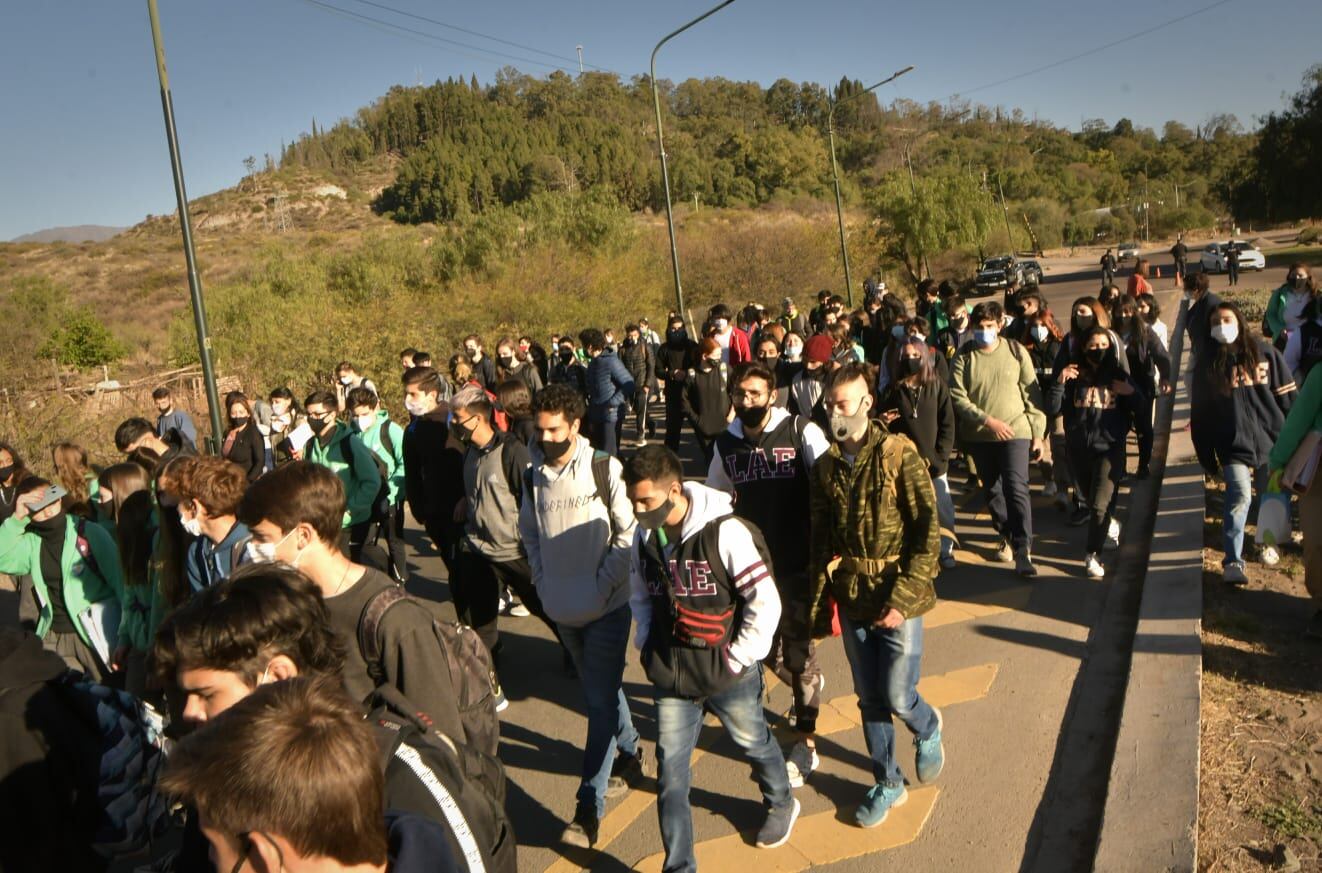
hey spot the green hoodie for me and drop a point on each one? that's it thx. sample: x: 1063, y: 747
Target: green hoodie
x: 394, y: 462
x: 346, y: 456
x: 20, y: 555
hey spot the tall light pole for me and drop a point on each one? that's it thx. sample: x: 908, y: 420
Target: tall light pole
x: 835, y: 173
x: 580, y: 59
x: 661, y: 147
x: 185, y: 227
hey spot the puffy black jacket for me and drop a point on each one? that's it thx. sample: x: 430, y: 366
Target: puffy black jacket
x: 927, y: 417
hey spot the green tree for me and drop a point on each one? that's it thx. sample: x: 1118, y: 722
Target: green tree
x: 82, y: 341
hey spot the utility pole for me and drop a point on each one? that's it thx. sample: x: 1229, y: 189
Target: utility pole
x: 181, y: 195
x: 580, y: 59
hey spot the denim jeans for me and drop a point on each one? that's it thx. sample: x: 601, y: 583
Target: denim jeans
x: 945, y: 511
x: 885, y: 664
x: 1241, y: 482
x: 678, y: 720
x: 598, y: 649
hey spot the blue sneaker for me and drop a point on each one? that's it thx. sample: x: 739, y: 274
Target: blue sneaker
x: 931, y: 755
x: 878, y: 802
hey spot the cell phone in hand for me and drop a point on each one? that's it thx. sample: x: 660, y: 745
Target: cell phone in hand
x: 51, y: 495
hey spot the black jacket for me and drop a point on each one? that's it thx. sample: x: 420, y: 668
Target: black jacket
x: 1148, y: 360
x: 637, y: 359
x: 1198, y: 324
x: 1241, y: 427
x: 433, y: 471
x: 1096, y: 417
x: 249, y: 451
x: 707, y: 400
x: 484, y: 371
x: 927, y: 417
x: 675, y: 356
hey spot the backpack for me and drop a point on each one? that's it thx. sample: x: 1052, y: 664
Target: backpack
x: 462, y: 654
x: 125, y: 745
x: 466, y: 785
x: 85, y: 548
x: 601, y: 481
x: 387, y: 443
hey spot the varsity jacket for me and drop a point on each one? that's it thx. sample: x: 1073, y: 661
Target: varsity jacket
x: 1096, y: 417
x: 1242, y: 427
x: 715, y: 578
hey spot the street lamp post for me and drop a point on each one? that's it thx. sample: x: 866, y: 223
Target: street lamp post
x: 835, y: 173
x: 661, y: 148
x: 185, y: 227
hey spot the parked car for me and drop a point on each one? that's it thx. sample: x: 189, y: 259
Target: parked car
x: 1127, y: 251
x: 996, y: 274
x: 1213, y: 257
x: 1032, y: 272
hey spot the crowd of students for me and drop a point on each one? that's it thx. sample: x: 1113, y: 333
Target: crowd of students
x: 254, y: 596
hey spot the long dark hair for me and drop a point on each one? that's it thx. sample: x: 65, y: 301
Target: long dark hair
x: 926, y: 368
x: 1100, y: 317
x: 1238, y: 356
x: 20, y: 469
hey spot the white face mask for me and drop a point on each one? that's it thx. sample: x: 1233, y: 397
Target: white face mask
x: 1225, y: 333
x: 1040, y: 333
x: 346, y: 380
x: 415, y: 407
x: 794, y: 352
x: 193, y: 526
x: 264, y: 553
x: 721, y: 324
x: 365, y: 422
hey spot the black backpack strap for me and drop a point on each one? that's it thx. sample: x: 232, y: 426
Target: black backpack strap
x: 387, y: 441
x: 514, y: 476
x: 369, y: 629
x: 601, y: 479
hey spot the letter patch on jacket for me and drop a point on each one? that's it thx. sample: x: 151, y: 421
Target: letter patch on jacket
x: 694, y: 581
x: 755, y: 465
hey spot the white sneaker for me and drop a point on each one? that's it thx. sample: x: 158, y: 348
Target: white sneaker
x: 1234, y: 574
x: 1049, y: 489
x: 1093, y: 567
x: 800, y: 762
x: 1004, y: 552
x: 1112, y: 536
x: 1268, y: 556
x: 518, y: 610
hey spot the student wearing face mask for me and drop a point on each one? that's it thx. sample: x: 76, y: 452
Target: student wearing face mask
x: 873, y: 506
x: 793, y: 348
x: 911, y: 329
x: 294, y: 514
x: 12, y: 471
x: 209, y: 490
x: 998, y: 404
x: 347, y: 379
x: 1097, y: 408
x: 1150, y: 311
x: 568, y: 368
x: 1150, y: 367
x: 764, y: 459
x: 72, y: 566
x: 514, y: 363
x: 1198, y: 321
x: 674, y: 360
x: 1042, y: 338
x: 958, y: 330
x: 484, y: 369
x: 1240, y: 395
x: 768, y: 355
x: 385, y: 440
x: 610, y: 387
x: 1085, y: 314
x: 433, y: 463
x: 336, y: 447
x: 285, y: 418
x: 1288, y: 307
x: 243, y: 444
x: 917, y: 404
x: 806, y: 390
x: 636, y: 355
x: 707, y: 396
x: 732, y: 341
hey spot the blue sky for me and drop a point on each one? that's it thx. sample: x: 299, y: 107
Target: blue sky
x: 83, y: 141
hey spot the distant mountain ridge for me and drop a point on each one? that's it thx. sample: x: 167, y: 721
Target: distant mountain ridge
x: 78, y: 233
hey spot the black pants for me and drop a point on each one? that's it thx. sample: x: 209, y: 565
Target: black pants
x: 389, y: 523
x: 517, y: 576
x: 1003, y: 471
x: 1180, y: 267
x: 1233, y: 269
x: 1097, y: 474
x: 641, y: 402
x: 793, y: 657
x: 1108, y: 278
x: 355, y: 536
x: 674, y: 414
x: 1143, y: 402
x: 476, y: 595
x: 707, y: 445
x: 445, y: 535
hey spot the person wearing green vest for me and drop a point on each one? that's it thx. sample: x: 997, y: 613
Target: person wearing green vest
x: 1305, y: 415
x: 385, y: 439
x: 335, y: 446
x: 72, y: 565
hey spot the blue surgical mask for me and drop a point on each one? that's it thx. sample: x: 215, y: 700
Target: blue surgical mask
x: 985, y: 336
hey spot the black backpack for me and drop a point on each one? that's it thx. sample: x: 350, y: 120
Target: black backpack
x: 387, y: 443
x: 464, y: 785
x: 462, y: 654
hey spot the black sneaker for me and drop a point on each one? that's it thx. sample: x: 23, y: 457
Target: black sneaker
x: 571, y: 672
x: 1143, y: 473
x: 627, y: 772
x: 582, y: 831
x: 1080, y: 517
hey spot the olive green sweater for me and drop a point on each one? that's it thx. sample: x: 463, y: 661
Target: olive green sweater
x: 996, y: 383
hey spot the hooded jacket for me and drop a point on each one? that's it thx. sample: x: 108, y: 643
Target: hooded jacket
x: 1285, y: 309
x: 493, y: 484
x: 393, y: 460
x: 609, y: 386
x: 1242, y: 427
x: 92, y: 578
x: 879, y: 516
x: 1096, y: 417
x: 675, y: 356
x: 707, y: 399
x: 353, y: 463
x: 577, y: 545
x: 926, y: 416
x: 682, y: 574
x: 433, y: 470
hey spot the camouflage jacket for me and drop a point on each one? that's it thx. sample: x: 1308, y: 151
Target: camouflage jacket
x: 879, y: 516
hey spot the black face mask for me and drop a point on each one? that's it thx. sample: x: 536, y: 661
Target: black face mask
x: 910, y: 366
x: 238, y: 422
x: 751, y: 416
x: 554, y: 450
x: 819, y: 374
x: 461, y: 433
x: 1095, y: 356
x: 676, y: 335
x: 317, y: 425
x: 506, y: 361
x: 6, y: 472
x: 566, y: 355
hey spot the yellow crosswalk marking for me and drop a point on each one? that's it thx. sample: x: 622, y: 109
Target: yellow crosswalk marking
x: 818, y: 839
x: 977, y: 606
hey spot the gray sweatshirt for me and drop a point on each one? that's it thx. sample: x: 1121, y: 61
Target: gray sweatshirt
x: 492, y: 526
x: 580, y: 569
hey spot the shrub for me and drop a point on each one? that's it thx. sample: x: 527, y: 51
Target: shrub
x: 82, y: 341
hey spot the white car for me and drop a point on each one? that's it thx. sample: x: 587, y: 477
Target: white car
x: 1213, y: 256
x: 1127, y: 252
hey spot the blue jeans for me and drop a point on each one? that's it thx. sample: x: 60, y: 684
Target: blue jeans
x: 945, y: 511
x: 885, y: 664
x: 678, y: 720
x: 1241, y: 482
x: 598, y: 649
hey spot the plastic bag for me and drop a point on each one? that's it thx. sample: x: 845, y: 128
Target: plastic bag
x: 1273, y: 519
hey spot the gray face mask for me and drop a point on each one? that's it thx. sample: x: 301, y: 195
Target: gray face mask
x: 654, y: 518
x: 848, y: 427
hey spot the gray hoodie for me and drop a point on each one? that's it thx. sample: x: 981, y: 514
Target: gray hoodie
x: 581, y: 571
x: 493, y: 508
